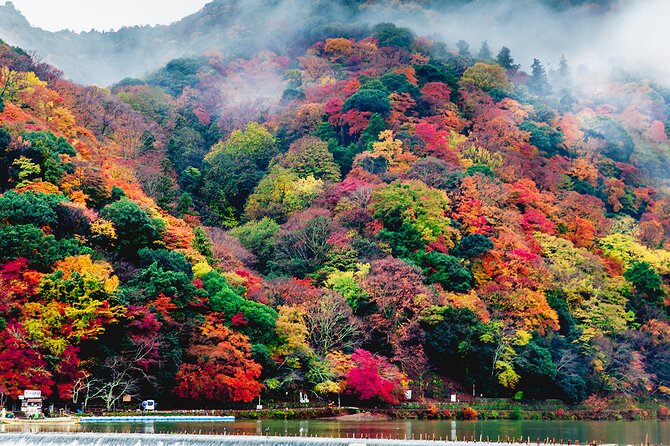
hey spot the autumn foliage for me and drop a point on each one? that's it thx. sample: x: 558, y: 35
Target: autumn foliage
x: 222, y: 369
x: 400, y: 217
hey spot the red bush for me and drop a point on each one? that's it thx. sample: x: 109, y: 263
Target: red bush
x: 469, y: 413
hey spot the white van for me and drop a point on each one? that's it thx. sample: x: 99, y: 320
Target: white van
x: 148, y: 405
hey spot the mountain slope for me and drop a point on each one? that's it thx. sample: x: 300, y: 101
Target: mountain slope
x: 388, y: 213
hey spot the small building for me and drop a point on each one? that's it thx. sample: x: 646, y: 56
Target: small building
x: 128, y: 402
x: 31, y: 403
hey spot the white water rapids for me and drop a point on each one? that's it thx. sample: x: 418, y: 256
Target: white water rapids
x: 103, y: 439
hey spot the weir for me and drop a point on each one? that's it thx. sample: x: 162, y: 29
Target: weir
x: 144, y: 419
x: 98, y: 439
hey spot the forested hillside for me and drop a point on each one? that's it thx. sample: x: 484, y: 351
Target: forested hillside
x: 375, y: 214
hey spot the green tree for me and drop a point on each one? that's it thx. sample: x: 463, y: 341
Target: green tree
x: 166, y: 259
x: 178, y: 74
x: 30, y: 242
x: 472, y: 246
x: 505, y: 59
x: 647, y: 283
x: 154, y: 281
x: 545, y: 138
x: 536, y: 367
x: 389, y: 34
x: 615, y: 140
x: 487, y: 77
x: 260, y: 319
x: 373, y: 84
x: 414, y: 203
x: 185, y: 205
x: 309, y: 156
x: 281, y: 193
x: 398, y: 83
x: 29, y: 208
x: 482, y: 169
x: 373, y: 101
x: 557, y: 300
x: 134, y: 228
x: 261, y: 322
x: 202, y: 243
x: 190, y: 139
x: 452, y: 342
x: 537, y: 82
x: 445, y: 270
x: 463, y: 48
x: 190, y: 180
x: 45, y: 149
x: 370, y: 135
x: 343, y: 155
x: 186, y: 147
x: 257, y: 237
x: 404, y: 240
x: 485, y: 52
x: 233, y: 168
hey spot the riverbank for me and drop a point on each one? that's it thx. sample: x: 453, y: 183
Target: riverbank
x: 479, y: 410
x: 507, y: 409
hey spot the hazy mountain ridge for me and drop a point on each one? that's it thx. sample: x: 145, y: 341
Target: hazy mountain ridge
x: 226, y: 26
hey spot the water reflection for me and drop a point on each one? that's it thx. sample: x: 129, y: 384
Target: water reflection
x: 610, y: 432
x: 149, y: 427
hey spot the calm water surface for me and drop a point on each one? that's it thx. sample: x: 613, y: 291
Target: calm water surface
x: 610, y: 432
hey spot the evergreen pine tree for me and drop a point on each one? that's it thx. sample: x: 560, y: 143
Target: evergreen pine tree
x: 538, y: 83
x: 485, y: 51
x: 563, y: 68
x: 201, y: 243
x: 463, y: 48
x: 185, y: 204
x: 505, y: 59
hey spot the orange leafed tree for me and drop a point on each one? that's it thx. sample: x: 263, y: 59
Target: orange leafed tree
x: 221, y: 367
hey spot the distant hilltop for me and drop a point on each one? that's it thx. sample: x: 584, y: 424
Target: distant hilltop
x: 228, y: 27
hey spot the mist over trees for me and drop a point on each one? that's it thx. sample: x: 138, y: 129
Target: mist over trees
x: 586, y: 29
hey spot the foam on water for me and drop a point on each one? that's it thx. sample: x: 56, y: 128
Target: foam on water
x: 98, y: 439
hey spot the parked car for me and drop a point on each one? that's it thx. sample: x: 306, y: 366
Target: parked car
x: 148, y: 405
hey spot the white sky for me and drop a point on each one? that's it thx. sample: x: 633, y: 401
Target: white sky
x: 103, y: 15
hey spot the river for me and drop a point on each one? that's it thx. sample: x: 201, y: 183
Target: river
x: 605, y: 432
